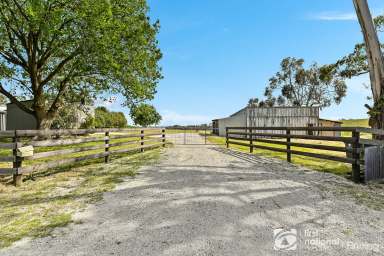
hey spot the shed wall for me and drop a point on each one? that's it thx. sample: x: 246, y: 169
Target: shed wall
x: 18, y: 119
x: 237, y: 120
x: 283, y: 117
x: 329, y: 123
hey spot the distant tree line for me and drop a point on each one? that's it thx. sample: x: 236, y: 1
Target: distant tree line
x: 109, y: 119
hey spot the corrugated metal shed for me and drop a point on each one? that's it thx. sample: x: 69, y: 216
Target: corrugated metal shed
x: 329, y: 123
x: 270, y: 116
x: 283, y: 117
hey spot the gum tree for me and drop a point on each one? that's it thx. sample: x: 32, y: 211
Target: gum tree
x: 375, y: 61
x: 361, y: 61
x: 56, y: 52
x: 300, y: 86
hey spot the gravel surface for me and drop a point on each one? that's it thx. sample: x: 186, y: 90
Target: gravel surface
x: 205, y: 200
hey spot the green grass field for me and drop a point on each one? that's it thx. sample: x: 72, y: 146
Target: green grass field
x: 355, y: 122
x: 312, y: 163
x: 308, y: 162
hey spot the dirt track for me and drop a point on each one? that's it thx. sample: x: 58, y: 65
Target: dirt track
x: 205, y: 200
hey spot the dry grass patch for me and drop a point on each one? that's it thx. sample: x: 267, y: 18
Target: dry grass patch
x: 48, y: 200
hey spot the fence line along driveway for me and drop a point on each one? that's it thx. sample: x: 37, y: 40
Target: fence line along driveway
x: 212, y: 201
x: 103, y: 144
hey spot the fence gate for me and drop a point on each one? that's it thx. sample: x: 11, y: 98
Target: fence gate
x: 191, y: 135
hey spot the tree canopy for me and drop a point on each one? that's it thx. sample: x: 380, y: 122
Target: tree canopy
x: 145, y: 115
x: 59, y: 52
x: 298, y: 86
x: 109, y: 119
x: 356, y: 63
x: 268, y: 102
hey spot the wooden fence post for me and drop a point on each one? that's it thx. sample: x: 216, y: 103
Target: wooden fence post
x: 142, y: 141
x: 288, y: 133
x: 356, y: 156
x: 106, y: 142
x: 163, y: 136
x: 17, y: 161
x: 250, y: 141
x: 226, y: 137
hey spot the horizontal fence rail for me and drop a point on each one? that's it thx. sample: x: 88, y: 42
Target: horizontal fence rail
x: 27, y: 151
x: 353, y: 146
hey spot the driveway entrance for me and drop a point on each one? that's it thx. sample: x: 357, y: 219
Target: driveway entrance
x: 190, y: 136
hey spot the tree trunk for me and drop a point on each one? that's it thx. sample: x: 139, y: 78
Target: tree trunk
x: 44, y: 121
x: 376, y: 120
x: 375, y: 62
x: 44, y: 124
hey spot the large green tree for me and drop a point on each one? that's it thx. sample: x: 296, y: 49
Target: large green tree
x: 109, y: 119
x: 360, y: 61
x: 56, y: 52
x: 145, y: 115
x: 300, y: 86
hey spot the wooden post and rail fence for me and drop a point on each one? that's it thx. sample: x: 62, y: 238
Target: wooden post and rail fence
x: 352, y: 144
x: 27, y: 151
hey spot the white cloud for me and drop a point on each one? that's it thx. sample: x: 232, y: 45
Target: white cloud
x: 172, y: 118
x: 340, y: 16
x: 331, y: 16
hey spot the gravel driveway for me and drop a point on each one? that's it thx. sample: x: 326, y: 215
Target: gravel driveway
x: 205, y: 200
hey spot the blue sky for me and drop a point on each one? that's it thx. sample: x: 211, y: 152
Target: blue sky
x: 220, y: 53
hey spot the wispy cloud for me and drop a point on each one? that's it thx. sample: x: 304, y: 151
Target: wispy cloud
x: 171, y: 118
x: 340, y: 16
x: 334, y: 16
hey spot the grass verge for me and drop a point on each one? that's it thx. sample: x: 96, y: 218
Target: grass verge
x: 39, y: 206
